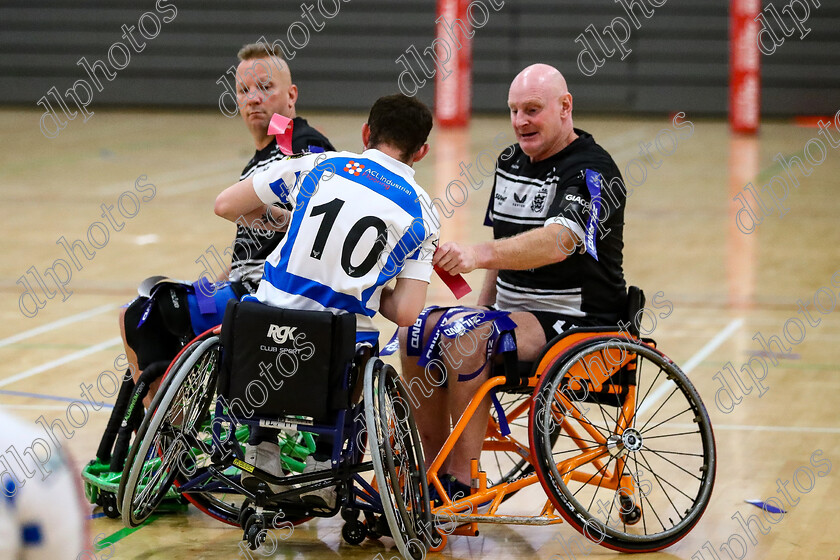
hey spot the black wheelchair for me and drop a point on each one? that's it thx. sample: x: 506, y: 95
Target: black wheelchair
x: 296, y: 371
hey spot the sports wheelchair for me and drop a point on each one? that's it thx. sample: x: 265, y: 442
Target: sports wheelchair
x: 299, y: 371
x: 609, y: 426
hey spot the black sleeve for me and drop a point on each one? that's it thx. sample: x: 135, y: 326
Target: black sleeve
x: 488, y: 216
x: 572, y: 199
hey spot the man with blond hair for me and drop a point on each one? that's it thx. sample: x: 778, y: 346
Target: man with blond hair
x: 155, y: 328
x: 555, y: 261
x: 264, y: 87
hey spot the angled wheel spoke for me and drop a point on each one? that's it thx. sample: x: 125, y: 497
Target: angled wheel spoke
x: 691, y: 474
x: 643, y: 430
x: 671, y: 435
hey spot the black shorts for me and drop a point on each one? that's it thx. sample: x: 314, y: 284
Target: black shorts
x: 556, y: 323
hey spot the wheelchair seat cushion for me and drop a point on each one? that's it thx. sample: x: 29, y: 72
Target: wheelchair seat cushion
x: 286, y: 362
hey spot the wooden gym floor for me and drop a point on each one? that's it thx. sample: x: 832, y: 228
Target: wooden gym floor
x: 680, y: 239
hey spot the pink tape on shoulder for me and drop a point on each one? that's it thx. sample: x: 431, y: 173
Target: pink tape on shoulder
x: 456, y: 284
x: 282, y: 127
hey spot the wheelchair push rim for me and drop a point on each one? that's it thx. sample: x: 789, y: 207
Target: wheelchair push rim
x: 398, y: 462
x: 153, y: 463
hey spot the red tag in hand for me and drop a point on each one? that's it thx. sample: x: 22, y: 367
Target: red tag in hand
x: 282, y: 127
x: 456, y: 284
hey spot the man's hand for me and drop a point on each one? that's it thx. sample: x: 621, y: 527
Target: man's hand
x: 455, y: 259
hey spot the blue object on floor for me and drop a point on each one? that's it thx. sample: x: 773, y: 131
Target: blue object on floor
x: 765, y: 506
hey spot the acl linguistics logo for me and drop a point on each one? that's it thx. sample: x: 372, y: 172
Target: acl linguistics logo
x: 280, y: 334
x: 353, y: 168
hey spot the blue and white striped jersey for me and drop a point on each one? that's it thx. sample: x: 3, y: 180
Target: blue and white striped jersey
x: 359, y: 220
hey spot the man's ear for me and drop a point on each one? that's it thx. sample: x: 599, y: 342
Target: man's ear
x: 293, y: 95
x: 566, y: 103
x: 365, y: 135
x: 420, y: 154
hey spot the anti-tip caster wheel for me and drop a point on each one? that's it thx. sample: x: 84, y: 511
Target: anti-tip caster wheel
x: 354, y: 532
x: 372, y: 526
x: 439, y: 543
x: 633, y: 513
x: 254, y: 533
x: 108, y: 501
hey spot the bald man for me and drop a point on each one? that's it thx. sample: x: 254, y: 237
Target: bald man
x: 555, y: 262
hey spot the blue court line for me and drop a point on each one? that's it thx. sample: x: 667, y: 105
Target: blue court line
x: 47, y: 397
x: 96, y: 515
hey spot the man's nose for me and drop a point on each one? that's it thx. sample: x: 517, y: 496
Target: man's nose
x: 255, y: 96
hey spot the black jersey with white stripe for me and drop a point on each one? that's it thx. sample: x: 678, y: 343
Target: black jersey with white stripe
x: 252, y: 246
x: 581, y: 188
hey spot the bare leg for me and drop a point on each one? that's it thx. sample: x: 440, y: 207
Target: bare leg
x: 429, y: 402
x: 467, y: 358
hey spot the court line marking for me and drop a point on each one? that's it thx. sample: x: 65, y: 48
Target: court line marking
x: 46, y: 406
x: 694, y: 361
x: 747, y: 427
x: 123, y: 533
x: 172, y: 176
x: 57, y: 324
x: 61, y: 361
x: 46, y: 397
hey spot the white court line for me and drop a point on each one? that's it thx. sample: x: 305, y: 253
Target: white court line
x: 58, y: 324
x: 204, y: 182
x: 46, y: 407
x: 61, y: 361
x: 748, y: 428
x: 173, y: 176
x: 694, y: 361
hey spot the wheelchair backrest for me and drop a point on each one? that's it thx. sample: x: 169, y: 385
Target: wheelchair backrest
x: 518, y: 373
x: 635, y: 303
x: 285, y: 362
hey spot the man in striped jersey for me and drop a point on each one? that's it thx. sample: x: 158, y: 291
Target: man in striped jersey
x: 557, y: 212
x: 264, y: 87
x: 155, y: 328
x: 360, y: 240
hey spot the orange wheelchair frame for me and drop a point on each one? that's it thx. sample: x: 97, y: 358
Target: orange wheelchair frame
x: 601, y: 366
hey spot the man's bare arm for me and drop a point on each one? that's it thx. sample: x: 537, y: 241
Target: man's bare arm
x: 488, y: 289
x: 240, y: 204
x: 404, y: 302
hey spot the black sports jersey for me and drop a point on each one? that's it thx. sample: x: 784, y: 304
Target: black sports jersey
x: 581, y: 188
x: 252, y: 246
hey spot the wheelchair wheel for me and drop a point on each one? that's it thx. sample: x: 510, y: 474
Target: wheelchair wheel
x: 623, y: 444
x: 168, y: 431
x: 397, y: 460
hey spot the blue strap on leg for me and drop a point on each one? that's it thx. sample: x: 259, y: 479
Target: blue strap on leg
x: 504, y: 428
x: 204, y: 292
x: 500, y: 340
x: 392, y: 346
